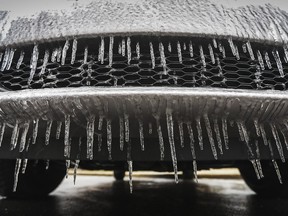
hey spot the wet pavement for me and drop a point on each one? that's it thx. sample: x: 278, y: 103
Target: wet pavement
x: 94, y: 195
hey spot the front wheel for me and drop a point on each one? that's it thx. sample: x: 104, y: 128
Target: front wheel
x: 270, y: 184
x: 38, y: 179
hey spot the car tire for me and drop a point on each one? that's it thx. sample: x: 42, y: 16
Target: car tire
x: 119, y: 175
x: 37, y: 181
x: 269, y: 185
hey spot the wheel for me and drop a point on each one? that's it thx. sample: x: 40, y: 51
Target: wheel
x: 269, y: 185
x: 187, y: 174
x: 119, y: 175
x: 36, y: 181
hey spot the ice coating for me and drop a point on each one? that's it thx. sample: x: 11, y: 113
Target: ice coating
x: 236, y: 18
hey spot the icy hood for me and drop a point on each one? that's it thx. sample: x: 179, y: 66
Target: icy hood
x: 30, y: 21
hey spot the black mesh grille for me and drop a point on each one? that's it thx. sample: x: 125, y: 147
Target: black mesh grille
x: 228, y: 73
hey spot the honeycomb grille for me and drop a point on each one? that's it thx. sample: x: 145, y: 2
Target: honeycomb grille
x: 132, y: 64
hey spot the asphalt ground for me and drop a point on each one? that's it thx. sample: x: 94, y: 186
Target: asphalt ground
x: 99, y: 194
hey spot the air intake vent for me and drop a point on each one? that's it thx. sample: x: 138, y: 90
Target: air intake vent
x: 145, y: 61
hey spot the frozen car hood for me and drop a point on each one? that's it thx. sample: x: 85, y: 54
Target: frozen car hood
x: 34, y: 21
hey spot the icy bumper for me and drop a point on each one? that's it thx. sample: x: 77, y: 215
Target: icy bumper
x: 104, y: 123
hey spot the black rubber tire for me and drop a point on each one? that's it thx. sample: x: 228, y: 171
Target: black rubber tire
x: 119, y: 175
x: 187, y: 174
x: 36, y: 182
x: 269, y: 185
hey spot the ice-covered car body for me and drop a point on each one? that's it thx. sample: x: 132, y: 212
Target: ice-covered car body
x: 112, y: 81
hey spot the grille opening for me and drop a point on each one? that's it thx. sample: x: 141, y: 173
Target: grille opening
x: 182, y: 67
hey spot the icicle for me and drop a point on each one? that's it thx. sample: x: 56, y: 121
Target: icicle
x: 74, y: 50
x: 263, y: 134
x: 258, y: 162
x: 275, y: 163
x: 130, y: 168
x: 277, y: 171
x: 126, y: 126
x: 152, y: 55
x: 90, y: 136
x: 191, y: 49
x: 100, y: 123
x: 210, y: 136
x: 260, y: 60
x: 121, y: 133
x: 123, y: 48
x: 218, y: 135
x: 2, y: 131
x: 285, y: 138
x: 285, y: 48
x: 232, y: 46
x: 192, y: 147
x: 45, y: 62
x: 215, y: 43
x: 253, y: 161
x: 14, y: 135
x: 220, y: 74
x: 267, y: 59
x: 222, y: 50
x: 111, y: 44
x: 276, y: 56
x: 243, y: 132
x: 163, y: 58
x: 47, y: 164
x: 244, y: 47
x: 5, y: 59
x: 68, y: 164
x: 181, y: 134
x: 119, y: 48
x: 33, y: 65
x: 225, y: 133
x: 250, y: 50
x: 101, y: 51
x: 169, y: 47
x: 1, y: 55
x: 35, y: 130
x: 99, y: 139
x: 75, y: 170
x: 10, y: 59
x: 20, y: 60
x: 129, y: 53
x: 28, y: 144
x: 59, y: 52
x: 138, y: 50
x: 202, y: 56
x: 16, y: 173
x: 184, y: 46
x: 67, y: 136
x: 24, y: 166
x: 150, y: 128
x: 160, y: 137
x: 109, y: 138
x: 48, y: 131
x: 58, y: 129
x: 24, y: 135
x: 54, y: 55
x: 179, y: 52
x: 199, y: 132
x: 237, y: 55
x: 170, y: 129
x: 257, y: 127
x: 64, y: 51
x: 277, y: 141
x: 141, y: 134
x: 85, y: 55
x: 211, y: 53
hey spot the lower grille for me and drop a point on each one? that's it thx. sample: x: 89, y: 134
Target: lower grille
x: 145, y: 61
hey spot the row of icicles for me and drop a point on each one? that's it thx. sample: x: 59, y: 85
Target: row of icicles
x: 125, y: 48
x: 217, y: 138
